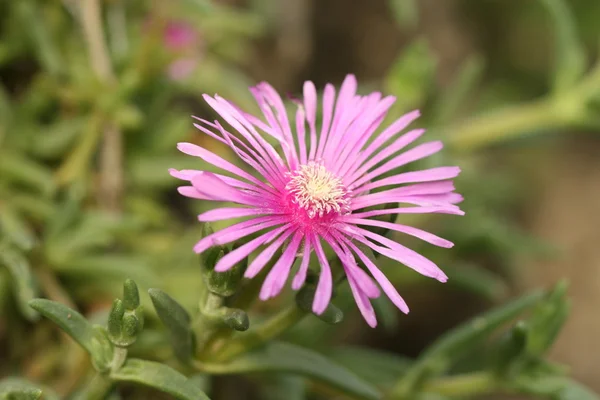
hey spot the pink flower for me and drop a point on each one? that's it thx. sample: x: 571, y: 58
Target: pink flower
x: 179, y: 35
x: 317, y: 190
x: 185, y: 42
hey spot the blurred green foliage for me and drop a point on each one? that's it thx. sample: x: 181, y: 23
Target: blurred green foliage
x: 94, y: 95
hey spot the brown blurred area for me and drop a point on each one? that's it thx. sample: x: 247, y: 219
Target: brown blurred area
x: 322, y: 40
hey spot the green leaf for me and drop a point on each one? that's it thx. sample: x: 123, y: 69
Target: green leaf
x: 177, y: 321
x: 438, y: 357
x: 14, y: 388
x: 547, y: 320
x: 477, y: 280
x: 405, y: 11
x: 159, y: 376
x: 570, y: 58
x: 25, y: 287
x: 93, y: 339
x: 287, y: 358
x: 27, y: 172
x: 58, y: 138
x: 282, y: 386
x: 457, y: 340
x: 109, y: 266
x: 453, y: 97
x: 378, y: 367
x: 411, y: 75
x: 554, y: 387
x: 304, y: 300
x: 40, y: 36
x: 15, y: 229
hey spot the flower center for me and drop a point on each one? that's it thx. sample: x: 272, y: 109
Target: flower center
x: 317, y: 190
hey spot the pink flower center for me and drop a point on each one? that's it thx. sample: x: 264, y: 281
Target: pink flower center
x: 317, y: 191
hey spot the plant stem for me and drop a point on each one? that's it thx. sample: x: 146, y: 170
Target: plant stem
x: 96, y: 389
x: 270, y: 329
x: 505, y: 123
x: 466, y: 385
x: 119, y: 357
x: 111, y: 157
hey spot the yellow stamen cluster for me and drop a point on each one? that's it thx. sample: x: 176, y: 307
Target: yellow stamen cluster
x: 317, y: 190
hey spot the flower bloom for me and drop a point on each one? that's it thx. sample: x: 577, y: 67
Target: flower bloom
x: 185, y: 41
x: 317, y: 190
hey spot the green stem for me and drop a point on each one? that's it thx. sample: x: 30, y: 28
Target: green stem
x: 96, y: 389
x: 506, y: 123
x: 119, y: 357
x: 467, y: 385
x: 270, y: 329
x: 111, y: 156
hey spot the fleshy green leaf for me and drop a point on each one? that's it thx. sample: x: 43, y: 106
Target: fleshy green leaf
x: 454, y: 96
x: 554, y: 387
x: 570, y: 59
x: 93, y: 339
x: 405, y: 11
x: 160, y: 377
x: 438, y: 357
x: 547, y: 320
x: 25, y: 288
x: 287, y: 358
x: 26, y: 171
x: 15, y: 229
x: 177, y: 321
x: 410, y: 76
x: 378, y: 367
x: 13, y: 388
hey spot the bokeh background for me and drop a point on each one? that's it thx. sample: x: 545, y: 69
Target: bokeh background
x: 86, y: 140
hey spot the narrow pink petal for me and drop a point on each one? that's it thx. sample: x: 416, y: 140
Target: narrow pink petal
x: 278, y: 275
x: 244, y: 127
x: 448, y: 209
x: 364, y: 281
x: 358, y: 132
x: 363, y: 303
x: 237, y: 255
x: 188, y: 174
x: 237, y: 231
x: 310, y: 105
x: 403, y: 254
x: 388, y: 133
x: 361, y: 166
x: 266, y: 255
x: 209, y: 185
x: 346, y: 96
x: 442, y: 200
x: 397, y: 194
x: 219, y: 214
x: 301, y: 133
x: 302, y: 271
x: 328, y: 101
x: 250, y: 156
x: 427, y: 175
x: 383, y: 281
x: 191, y: 192
x: 417, y: 153
x: 275, y: 101
x: 409, y: 230
x: 211, y: 158
x: 325, y: 285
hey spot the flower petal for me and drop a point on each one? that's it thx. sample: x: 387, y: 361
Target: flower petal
x: 300, y: 277
x: 266, y: 255
x: 278, y: 275
x: 325, y: 285
x: 237, y: 255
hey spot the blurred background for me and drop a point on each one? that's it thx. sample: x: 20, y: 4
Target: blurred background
x: 90, y: 115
